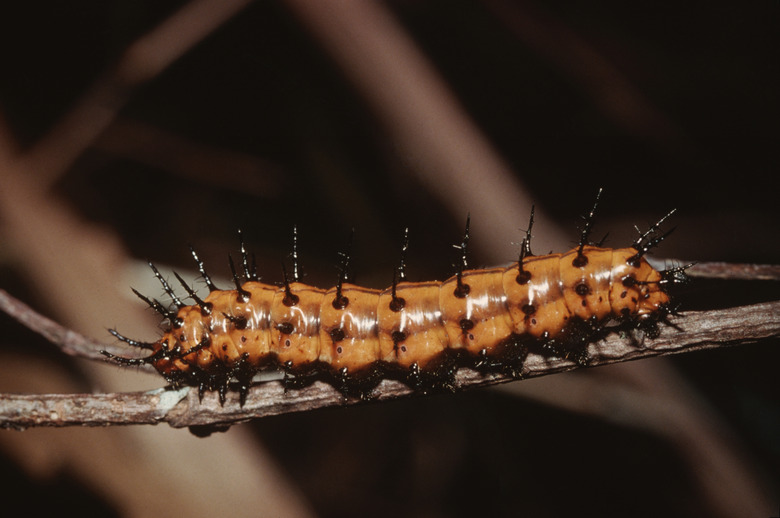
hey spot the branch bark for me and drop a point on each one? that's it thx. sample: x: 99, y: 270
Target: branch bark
x: 692, y: 331
x: 71, y: 342
x: 735, y: 271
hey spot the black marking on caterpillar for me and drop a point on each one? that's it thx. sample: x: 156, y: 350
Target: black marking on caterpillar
x: 420, y: 333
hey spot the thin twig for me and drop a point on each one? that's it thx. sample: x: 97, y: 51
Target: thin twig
x: 71, y: 342
x: 734, y: 271
x: 692, y: 332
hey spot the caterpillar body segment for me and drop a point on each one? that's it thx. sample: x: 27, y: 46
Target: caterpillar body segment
x: 418, y: 332
x: 556, y: 307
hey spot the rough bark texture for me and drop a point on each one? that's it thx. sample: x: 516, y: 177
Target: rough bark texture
x: 692, y: 331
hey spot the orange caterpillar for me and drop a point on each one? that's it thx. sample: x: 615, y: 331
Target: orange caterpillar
x: 418, y: 332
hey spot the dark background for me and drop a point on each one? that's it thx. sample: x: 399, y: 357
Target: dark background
x: 262, y: 92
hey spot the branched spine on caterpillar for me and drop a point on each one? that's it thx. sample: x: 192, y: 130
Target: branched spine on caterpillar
x: 417, y: 332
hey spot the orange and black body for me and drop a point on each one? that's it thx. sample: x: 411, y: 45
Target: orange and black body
x: 419, y: 332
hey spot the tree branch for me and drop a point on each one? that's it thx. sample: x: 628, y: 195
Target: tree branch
x: 735, y: 271
x: 71, y: 342
x: 692, y: 331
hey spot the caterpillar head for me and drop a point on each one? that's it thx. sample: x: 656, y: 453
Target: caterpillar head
x: 638, y: 289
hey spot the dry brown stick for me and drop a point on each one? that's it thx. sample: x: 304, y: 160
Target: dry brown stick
x: 179, y: 408
x: 71, y: 342
x: 735, y: 271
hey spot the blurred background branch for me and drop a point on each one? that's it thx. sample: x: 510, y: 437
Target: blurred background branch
x: 131, y: 128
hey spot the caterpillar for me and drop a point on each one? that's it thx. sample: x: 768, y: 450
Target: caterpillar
x: 417, y: 332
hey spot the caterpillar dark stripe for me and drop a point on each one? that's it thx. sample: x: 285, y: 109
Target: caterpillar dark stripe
x: 418, y: 332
